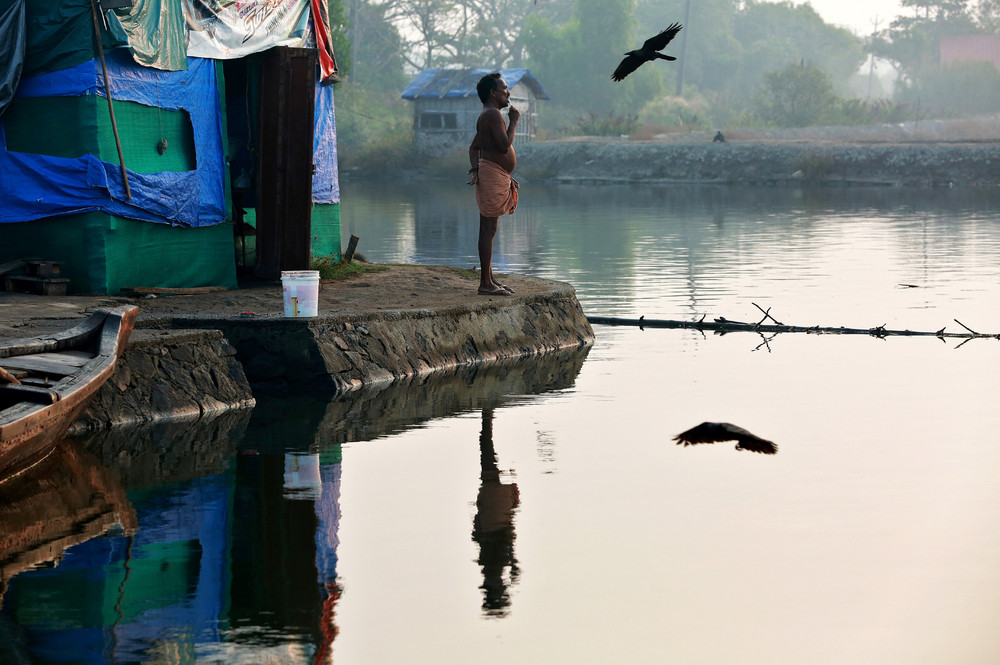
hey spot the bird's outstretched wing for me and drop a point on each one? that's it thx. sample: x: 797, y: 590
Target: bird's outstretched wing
x: 658, y: 42
x: 715, y: 432
x: 628, y: 65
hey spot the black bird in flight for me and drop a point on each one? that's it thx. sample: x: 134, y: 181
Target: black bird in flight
x: 715, y: 432
x: 649, y: 51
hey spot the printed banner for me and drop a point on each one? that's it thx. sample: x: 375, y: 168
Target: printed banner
x: 225, y: 29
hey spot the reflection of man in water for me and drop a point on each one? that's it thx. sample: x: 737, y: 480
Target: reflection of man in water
x: 493, y: 526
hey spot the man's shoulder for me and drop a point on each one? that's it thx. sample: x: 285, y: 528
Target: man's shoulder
x: 489, y: 117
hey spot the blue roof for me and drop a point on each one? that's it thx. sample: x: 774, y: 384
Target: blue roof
x: 450, y: 83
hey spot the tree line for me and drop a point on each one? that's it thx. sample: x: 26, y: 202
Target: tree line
x: 744, y: 62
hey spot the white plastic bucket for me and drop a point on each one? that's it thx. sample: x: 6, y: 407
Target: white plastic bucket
x: 302, y: 476
x: 300, y: 289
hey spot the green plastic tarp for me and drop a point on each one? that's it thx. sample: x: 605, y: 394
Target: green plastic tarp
x: 60, y: 35
x: 157, y: 33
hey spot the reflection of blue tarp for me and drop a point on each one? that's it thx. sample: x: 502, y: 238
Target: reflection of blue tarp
x: 111, y: 600
x: 36, y: 186
x: 326, y: 186
x: 327, y: 508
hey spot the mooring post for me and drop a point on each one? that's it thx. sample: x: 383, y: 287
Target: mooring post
x: 352, y: 245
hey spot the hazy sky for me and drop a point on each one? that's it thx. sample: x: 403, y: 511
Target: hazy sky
x: 857, y: 15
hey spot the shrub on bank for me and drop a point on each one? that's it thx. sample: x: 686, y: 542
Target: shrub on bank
x: 606, y: 124
x: 330, y: 267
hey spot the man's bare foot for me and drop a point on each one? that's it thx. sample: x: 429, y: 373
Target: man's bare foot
x: 494, y: 291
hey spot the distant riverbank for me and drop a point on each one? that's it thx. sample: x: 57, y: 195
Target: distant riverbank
x: 930, y: 153
x: 764, y: 162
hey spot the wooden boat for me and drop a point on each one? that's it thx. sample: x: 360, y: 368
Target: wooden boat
x: 45, y: 382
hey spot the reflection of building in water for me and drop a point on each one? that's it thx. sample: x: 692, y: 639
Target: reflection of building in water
x: 315, y: 477
x: 52, y: 510
x: 66, y: 499
x: 493, y: 526
x: 234, y: 559
x: 250, y: 546
x: 133, y: 598
x: 285, y: 544
x: 327, y: 507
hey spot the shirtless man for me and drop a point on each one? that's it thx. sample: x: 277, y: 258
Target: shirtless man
x: 493, y: 160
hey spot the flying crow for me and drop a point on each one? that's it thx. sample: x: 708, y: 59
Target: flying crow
x: 714, y: 432
x: 649, y: 51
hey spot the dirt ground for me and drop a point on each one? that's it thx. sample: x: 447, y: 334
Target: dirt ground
x: 395, y: 287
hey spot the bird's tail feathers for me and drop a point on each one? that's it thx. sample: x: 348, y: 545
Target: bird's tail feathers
x: 665, y: 57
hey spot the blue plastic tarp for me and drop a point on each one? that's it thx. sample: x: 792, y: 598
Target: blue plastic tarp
x: 326, y: 184
x: 34, y: 186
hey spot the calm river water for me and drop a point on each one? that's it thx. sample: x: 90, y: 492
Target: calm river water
x: 539, y: 512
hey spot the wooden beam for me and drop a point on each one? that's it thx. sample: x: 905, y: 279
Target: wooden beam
x: 56, y: 364
x: 162, y: 290
x: 34, y: 394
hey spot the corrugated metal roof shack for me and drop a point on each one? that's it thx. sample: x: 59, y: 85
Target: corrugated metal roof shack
x: 146, y: 157
x: 970, y: 47
x: 446, y: 107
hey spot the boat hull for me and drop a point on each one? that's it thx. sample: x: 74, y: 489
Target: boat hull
x: 28, y: 429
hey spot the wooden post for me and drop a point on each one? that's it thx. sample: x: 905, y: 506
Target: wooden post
x: 107, y: 92
x: 285, y: 160
x: 352, y: 245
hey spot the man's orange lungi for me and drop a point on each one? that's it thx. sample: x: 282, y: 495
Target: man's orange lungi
x: 496, y: 191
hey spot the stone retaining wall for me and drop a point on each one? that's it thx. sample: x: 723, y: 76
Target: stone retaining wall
x: 344, y: 352
x: 169, y: 375
x: 177, y: 368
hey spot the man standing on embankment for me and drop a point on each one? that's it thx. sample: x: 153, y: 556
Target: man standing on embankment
x: 493, y: 160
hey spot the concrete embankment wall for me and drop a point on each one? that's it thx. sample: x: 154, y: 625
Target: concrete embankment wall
x: 344, y: 352
x: 169, y: 375
x: 922, y: 164
x: 179, y: 367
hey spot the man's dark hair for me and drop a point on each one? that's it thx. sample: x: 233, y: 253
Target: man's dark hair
x: 486, y: 85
